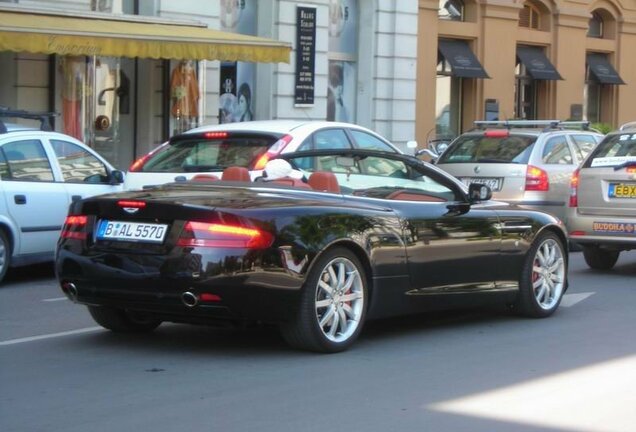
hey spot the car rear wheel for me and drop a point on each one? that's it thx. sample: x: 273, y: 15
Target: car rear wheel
x: 543, y: 277
x: 333, y: 304
x: 5, y: 254
x: 121, y: 321
x: 599, y: 258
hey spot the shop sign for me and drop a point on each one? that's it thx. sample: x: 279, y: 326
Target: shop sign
x: 305, y: 55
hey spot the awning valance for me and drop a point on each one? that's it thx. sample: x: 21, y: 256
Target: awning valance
x: 537, y: 64
x: 602, y: 70
x: 49, y: 34
x: 463, y: 62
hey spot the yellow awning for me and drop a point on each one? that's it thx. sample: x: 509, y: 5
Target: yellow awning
x: 49, y: 34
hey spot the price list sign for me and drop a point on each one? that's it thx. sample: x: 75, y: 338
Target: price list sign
x: 305, y: 55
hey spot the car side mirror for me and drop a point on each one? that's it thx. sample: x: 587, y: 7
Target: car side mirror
x: 479, y: 192
x: 116, y: 177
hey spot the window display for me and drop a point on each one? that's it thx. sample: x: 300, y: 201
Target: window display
x: 184, y: 96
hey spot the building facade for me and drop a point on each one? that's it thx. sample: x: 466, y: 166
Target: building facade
x: 364, y: 70
x: 524, y: 59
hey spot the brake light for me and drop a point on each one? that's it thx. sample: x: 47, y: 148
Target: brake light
x: 273, y: 151
x: 497, y: 133
x: 631, y: 170
x: 574, y: 189
x: 131, y: 204
x: 215, y: 135
x: 139, y: 163
x: 203, y: 234
x: 74, y: 227
x: 536, y: 179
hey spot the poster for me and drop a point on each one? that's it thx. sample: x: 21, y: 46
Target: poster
x: 305, y: 55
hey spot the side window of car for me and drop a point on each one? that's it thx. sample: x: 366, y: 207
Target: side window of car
x: 4, y: 167
x: 77, y: 164
x: 330, y: 139
x: 557, y: 152
x: 369, y: 142
x: 583, y: 144
x: 27, y: 161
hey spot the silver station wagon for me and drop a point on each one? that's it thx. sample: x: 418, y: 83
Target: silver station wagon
x: 601, y: 214
x: 524, y: 162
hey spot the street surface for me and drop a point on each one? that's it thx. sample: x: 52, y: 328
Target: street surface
x: 467, y: 371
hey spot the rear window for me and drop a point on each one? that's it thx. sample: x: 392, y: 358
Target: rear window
x: 483, y: 149
x: 614, y: 150
x: 200, y: 154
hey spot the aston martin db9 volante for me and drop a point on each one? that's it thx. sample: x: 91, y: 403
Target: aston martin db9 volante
x: 343, y: 237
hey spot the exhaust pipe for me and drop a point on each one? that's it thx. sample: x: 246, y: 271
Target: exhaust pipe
x: 189, y: 299
x: 70, y: 290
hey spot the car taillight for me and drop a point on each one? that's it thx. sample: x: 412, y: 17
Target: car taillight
x: 203, y: 234
x: 272, y: 152
x: 631, y: 170
x: 74, y: 227
x: 131, y: 204
x: 574, y: 189
x: 139, y: 163
x: 536, y: 179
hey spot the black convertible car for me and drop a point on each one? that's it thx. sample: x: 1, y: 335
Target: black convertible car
x: 363, y: 235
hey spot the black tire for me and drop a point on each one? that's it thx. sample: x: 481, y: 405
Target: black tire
x: 5, y: 254
x: 305, y: 331
x: 540, y: 287
x: 121, y: 321
x: 599, y: 258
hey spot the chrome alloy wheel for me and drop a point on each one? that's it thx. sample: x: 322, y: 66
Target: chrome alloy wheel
x: 339, y: 299
x: 548, y: 274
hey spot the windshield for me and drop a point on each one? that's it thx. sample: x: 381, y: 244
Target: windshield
x: 200, y: 154
x: 483, y: 149
x: 614, y: 150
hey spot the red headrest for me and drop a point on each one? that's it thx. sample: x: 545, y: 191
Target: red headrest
x: 324, y: 181
x: 236, y: 173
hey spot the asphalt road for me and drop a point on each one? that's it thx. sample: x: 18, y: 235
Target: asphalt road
x: 467, y: 371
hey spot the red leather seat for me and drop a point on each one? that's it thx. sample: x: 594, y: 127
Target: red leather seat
x: 236, y: 173
x: 324, y: 182
x: 204, y: 178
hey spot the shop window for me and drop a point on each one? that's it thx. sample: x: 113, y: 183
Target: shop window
x: 451, y: 10
x: 595, y: 27
x: 592, y: 97
x: 343, y: 53
x: 184, y: 97
x: 525, y: 94
x: 448, y: 101
x: 530, y: 17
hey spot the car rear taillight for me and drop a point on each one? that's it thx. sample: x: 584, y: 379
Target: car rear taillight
x: 131, y: 204
x: 139, y: 163
x: 536, y: 179
x: 74, y: 227
x: 272, y: 152
x: 574, y: 189
x: 497, y: 133
x: 203, y: 234
x: 631, y: 170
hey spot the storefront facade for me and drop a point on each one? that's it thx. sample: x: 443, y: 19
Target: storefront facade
x: 526, y: 59
x: 126, y: 101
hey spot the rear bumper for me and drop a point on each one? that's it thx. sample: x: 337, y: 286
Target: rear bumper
x: 611, y: 231
x: 156, y: 285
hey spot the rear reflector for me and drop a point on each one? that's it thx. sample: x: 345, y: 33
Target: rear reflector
x: 208, y: 297
x: 131, y: 204
x: 577, y: 233
x: 536, y: 179
x: 497, y: 133
x: 203, y: 234
x: 74, y: 227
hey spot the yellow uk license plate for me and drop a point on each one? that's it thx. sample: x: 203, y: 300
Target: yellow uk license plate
x: 622, y: 190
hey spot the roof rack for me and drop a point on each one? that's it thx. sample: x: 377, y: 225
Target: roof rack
x: 545, y: 124
x: 628, y: 126
x: 43, y: 117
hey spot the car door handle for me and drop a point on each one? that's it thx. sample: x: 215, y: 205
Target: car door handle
x: 19, y: 199
x: 76, y: 198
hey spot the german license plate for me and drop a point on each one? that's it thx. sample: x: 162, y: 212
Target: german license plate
x: 131, y: 231
x: 622, y: 190
x: 493, y: 183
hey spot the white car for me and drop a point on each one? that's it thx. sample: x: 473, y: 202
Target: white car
x: 208, y: 150
x: 41, y: 173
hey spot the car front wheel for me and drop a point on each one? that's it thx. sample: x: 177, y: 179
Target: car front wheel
x: 599, y: 258
x: 121, y: 321
x: 333, y: 304
x: 5, y: 254
x: 543, y: 277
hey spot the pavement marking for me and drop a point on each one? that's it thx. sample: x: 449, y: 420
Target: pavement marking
x: 587, y: 399
x: 570, y: 300
x: 55, y: 299
x: 50, y: 336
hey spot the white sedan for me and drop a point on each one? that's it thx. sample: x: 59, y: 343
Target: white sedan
x: 208, y: 150
x: 41, y: 173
